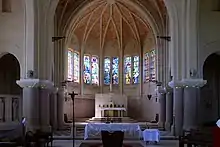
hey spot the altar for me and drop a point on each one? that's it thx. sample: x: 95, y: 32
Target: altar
x: 110, y: 105
x: 130, y: 129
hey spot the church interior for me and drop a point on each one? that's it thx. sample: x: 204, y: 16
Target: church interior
x: 72, y: 70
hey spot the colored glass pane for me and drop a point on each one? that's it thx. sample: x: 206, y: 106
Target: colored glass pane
x: 95, y: 70
x: 107, y: 68
x: 87, y: 70
x: 70, y: 65
x: 115, y: 70
x: 127, y: 66
x: 76, y: 67
x: 136, y: 70
x: 153, y: 65
x: 146, y: 67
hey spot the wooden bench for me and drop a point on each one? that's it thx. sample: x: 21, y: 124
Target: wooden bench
x: 203, y: 138
x: 39, y: 138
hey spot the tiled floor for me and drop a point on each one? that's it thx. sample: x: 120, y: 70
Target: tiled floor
x: 69, y: 143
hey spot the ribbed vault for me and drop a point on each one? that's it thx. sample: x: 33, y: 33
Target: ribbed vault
x: 110, y: 20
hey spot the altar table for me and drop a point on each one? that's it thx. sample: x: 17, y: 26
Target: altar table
x: 151, y: 135
x: 94, y: 129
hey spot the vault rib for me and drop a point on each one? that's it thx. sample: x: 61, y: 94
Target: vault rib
x: 80, y: 19
x: 90, y: 29
x: 126, y: 21
x: 116, y: 31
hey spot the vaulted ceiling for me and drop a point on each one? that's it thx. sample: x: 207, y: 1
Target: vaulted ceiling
x: 110, y: 20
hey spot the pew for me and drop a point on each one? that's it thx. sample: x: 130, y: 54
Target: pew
x: 196, y: 137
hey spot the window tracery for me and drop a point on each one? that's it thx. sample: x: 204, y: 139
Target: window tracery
x: 150, y: 66
x: 91, y: 70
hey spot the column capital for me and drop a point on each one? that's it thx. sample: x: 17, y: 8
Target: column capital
x: 175, y: 84
x: 194, y: 82
x: 35, y: 83
x: 185, y: 83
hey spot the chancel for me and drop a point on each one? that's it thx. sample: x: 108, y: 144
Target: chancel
x: 145, y: 69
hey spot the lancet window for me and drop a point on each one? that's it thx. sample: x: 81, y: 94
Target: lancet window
x: 150, y: 66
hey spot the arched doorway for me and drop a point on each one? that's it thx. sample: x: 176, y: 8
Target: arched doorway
x: 10, y: 99
x: 210, y: 94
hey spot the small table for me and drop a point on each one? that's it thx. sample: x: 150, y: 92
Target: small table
x: 94, y: 129
x: 151, y: 135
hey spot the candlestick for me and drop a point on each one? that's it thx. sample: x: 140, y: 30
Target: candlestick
x: 110, y: 87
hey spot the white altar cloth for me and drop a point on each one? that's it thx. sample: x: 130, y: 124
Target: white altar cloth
x: 94, y: 129
x: 151, y: 135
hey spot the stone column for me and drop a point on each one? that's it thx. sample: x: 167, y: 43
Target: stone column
x: 53, y: 109
x: 30, y: 103
x: 162, y: 99
x: 169, y: 109
x: 177, y: 126
x: 191, y: 93
x: 60, y: 103
x: 32, y: 106
x: 45, y: 109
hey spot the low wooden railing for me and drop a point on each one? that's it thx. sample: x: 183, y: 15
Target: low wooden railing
x: 10, y: 108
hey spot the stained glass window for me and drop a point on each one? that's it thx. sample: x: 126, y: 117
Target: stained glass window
x: 153, y: 65
x: 115, y: 70
x: 87, y: 70
x: 107, y: 68
x: 95, y: 70
x: 70, y: 65
x: 146, y: 67
x: 136, y: 70
x: 127, y: 65
x: 76, y: 67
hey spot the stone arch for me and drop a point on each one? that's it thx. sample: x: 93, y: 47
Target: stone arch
x: 210, y: 95
x: 9, y: 73
x: 207, y: 50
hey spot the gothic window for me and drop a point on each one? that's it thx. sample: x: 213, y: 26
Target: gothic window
x: 95, y: 70
x: 70, y: 64
x: 127, y: 65
x: 153, y: 65
x: 146, y: 67
x: 107, y: 69
x: 136, y: 69
x: 87, y: 69
x: 76, y: 67
x: 115, y: 70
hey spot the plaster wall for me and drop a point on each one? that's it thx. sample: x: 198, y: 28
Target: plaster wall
x: 209, y: 43
x: 12, y: 36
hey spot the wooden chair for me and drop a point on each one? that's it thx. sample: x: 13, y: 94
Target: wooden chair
x: 112, y: 139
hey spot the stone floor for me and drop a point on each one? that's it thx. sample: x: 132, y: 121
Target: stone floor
x: 69, y: 143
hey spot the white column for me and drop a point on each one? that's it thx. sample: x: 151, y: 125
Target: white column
x: 53, y: 109
x: 31, y: 103
x: 60, y: 103
x: 169, y: 109
x: 191, y: 93
x: 162, y: 117
x: 192, y: 16
x: 44, y: 96
x: 162, y: 99
x: 177, y: 127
